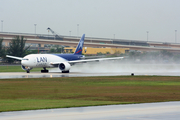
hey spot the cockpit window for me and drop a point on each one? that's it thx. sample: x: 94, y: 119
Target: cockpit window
x: 25, y: 59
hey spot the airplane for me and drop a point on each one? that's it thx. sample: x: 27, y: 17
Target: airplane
x: 62, y: 61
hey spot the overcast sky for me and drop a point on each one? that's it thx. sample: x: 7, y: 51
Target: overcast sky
x: 127, y: 19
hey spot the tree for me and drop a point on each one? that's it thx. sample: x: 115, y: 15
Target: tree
x: 17, y: 47
x: 99, y: 53
x: 107, y: 52
x: 2, y: 49
x: 31, y: 52
x: 52, y: 50
x: 56, y: 49
x: 59, y: 49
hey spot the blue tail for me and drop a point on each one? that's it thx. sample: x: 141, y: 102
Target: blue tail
x: 79, y: 48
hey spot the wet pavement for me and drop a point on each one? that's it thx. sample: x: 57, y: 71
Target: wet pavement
x: 8, y: 75
x: 102, y: 69
x: 145, y: 111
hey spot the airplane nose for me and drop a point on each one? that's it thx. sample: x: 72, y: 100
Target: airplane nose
x: 22, y: 62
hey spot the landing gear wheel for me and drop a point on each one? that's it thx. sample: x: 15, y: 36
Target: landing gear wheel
x: 28, y: 71
x: 65, y: 71
x: 44, y: 71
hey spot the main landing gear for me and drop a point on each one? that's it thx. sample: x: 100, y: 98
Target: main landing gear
x: 65, y: 71
x: 45, y: 70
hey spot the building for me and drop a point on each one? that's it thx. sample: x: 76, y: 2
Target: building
x: 90, y: 50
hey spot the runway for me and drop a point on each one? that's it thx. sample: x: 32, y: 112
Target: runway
x: 146, y: 111
x: 8, y: 75
x: 102, y: 69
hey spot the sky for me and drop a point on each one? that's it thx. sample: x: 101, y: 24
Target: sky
x: 119, y: 19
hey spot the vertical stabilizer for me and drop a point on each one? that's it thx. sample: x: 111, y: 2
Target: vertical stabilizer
x: 79, y: 47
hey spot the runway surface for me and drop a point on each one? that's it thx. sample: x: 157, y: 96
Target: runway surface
x: 146, y: 111
x: 102, y: 69
x: 8, y: 75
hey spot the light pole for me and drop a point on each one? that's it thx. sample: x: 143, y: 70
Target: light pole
x: 69, y: 33
x: 77, y: 30
x: 175, y: 36
x: 2, y: 25
x: 147, y: 35
x: 114, y: 36
x: 35, y: 27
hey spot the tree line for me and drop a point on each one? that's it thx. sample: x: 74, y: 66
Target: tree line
x: 16, y: 48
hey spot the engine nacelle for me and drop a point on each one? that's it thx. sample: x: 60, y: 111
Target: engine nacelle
x: 64, y: 66
x: 26, y: 68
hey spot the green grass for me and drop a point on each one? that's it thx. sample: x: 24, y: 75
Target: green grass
x: 26, y: 104
x: 15, y: 68
x: 43, y: 93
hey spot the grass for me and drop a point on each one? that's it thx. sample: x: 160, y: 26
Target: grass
x: 42, y: 93
x: 15, y: 68
x: 29, y: 104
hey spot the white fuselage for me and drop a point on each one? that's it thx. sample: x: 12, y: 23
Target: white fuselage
x: 41, y: 60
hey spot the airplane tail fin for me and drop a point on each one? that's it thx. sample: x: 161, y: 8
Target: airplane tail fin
x: 79, y: 47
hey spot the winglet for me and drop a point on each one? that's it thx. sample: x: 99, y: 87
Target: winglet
x: 79, y: 47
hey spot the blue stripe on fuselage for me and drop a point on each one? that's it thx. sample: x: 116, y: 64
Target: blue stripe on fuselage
x: 69, y: 57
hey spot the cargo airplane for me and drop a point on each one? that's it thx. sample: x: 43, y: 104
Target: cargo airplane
x: 62, y: 61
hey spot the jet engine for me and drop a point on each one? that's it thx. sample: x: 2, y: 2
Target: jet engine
x: 64, y: 67
x: 26, y: 68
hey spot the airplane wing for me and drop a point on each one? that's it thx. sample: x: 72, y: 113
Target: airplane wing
x: 14, y: 57
x: 89, y: 60
x: 92, y: 57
